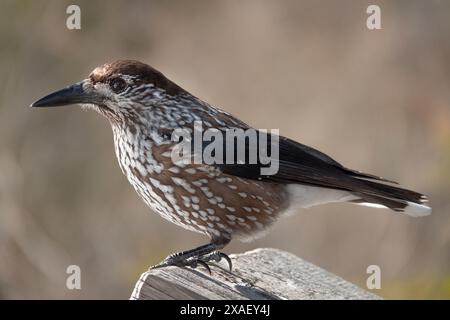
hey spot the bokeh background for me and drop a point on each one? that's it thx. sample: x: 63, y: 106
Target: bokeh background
x: 377, y: 101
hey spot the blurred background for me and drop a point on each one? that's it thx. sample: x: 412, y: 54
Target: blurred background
x: 377, y: 101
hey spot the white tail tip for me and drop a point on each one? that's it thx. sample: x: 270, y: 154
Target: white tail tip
x: 417, y: 210
x: 412, y: 209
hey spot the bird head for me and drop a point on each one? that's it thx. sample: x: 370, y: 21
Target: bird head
x: 116, y: 90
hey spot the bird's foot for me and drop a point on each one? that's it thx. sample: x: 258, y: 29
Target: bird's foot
x: 217, y: 256
x: 181, y: 260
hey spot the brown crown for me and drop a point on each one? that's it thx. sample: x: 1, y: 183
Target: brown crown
x: 143, y: 73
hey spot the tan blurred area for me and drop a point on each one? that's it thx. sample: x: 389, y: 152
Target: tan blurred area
x: 376, y: 101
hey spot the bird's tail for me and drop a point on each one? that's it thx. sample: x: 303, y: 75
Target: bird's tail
x: 398, y: 199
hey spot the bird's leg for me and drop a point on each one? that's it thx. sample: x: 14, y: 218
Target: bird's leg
x: 197, y: 256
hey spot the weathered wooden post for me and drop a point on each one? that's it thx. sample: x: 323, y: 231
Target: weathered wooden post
x: 258, y: 274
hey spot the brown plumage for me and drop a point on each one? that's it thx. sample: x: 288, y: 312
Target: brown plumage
x: 219, y: 199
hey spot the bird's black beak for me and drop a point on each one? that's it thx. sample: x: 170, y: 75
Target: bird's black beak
x: 79, y: 92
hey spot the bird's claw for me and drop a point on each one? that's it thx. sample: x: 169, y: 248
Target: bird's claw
x: 189, y: 262
x: 217, y: 256
x: 193, y: 262
x: 202, y: 263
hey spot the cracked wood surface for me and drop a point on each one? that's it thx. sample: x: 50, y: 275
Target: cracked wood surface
x: 259, y: 274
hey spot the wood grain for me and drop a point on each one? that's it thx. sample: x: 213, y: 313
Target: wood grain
x: 260, y: 274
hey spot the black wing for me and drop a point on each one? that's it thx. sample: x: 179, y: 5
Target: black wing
x: 297, y: 163
x: 300, y: 164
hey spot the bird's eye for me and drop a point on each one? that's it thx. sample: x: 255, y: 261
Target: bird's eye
x: 118, y: 85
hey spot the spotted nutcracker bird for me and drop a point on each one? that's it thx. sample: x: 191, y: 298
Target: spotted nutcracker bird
x: 220, y: 200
